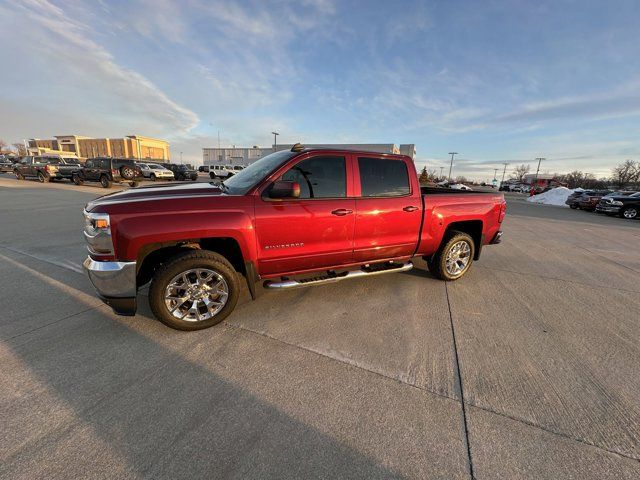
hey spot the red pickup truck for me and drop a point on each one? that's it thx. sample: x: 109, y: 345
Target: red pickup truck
x: 293, y: 218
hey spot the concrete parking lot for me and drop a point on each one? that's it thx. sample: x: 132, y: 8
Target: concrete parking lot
x: 529, y: 367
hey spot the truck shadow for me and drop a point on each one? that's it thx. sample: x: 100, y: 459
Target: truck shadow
x: 147, y: 401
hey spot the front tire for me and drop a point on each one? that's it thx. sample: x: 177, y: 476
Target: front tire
x: 77, y: 180
x: 152, y: 177
x: 454, y: 257
x: 629, y: 213
x: 18, y: 175
x: 105, y: 182
x: 573, y: 206
x: 42, y: 178
x: 196, y: 289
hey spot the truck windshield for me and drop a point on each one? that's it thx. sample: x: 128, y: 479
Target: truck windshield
x: 250, y: 176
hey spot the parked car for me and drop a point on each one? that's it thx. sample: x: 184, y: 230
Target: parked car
x: 107, y: 171
x: 154, y: 171
x: 45, y: 168
x: 203, y: 168
x: 6, y: 165
x: 288, y: 219
x: 573, y: 199
x: 627, y: 206
x: 590, y: 202
x: 182, y: 171
x: 224, y: 171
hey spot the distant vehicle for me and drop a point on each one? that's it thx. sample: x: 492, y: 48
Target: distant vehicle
x: 573, y: 200
x: 107, y: 171
x: 590, y: 202
x: 460, y: 186
x: 182, y: 171
x: 6, y: 165
x: 44, y: 168
x: 627, y: 206
x: 204, y: 168
x: 154, y: 172
x: 224, y: 171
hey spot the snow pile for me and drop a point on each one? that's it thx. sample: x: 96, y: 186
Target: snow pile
x: 555, y: 196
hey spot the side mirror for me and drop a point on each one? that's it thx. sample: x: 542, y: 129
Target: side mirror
x: 284, y: 189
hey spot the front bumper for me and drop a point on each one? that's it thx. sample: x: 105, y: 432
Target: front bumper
x: 115, y: 283
x: 608, y: 208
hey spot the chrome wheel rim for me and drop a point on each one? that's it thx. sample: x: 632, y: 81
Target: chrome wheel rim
x: 196, y: 295
x: 630, y: 213
x: 457, y: 258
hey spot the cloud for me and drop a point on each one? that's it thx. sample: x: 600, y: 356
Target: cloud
x: 66, y: 50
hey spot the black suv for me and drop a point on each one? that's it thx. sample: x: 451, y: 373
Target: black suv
x: 108, y: 170
x: 182, y: 171
x: 627, y: 206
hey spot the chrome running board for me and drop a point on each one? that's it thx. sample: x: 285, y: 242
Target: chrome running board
x: 332, y: 277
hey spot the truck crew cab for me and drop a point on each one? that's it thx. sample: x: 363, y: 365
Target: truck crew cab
x: 291, y: 219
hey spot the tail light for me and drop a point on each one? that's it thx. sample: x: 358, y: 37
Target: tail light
x: 503, y: 211
x: 114, y: 171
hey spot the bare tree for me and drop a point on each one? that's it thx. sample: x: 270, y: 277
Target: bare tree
x: 20, y: 149
x: 626, y: 173
x: 3, y: 146
x: 427, y: 176
x: 461, y: 179
x: 520, y: 171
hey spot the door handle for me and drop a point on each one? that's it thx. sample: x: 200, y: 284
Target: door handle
x: 341, y: 212
x: 410, y: 208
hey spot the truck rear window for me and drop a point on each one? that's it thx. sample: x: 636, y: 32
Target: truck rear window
x: 381, y: 177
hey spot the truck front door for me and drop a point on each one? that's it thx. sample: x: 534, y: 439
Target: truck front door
x: 313, y: 231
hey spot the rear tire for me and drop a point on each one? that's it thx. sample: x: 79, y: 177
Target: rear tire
x: 105, y: 182
x: 42, y: 178
x: 163, y: 298
x: 77, y: 180
x: 127, y: 172
x: 18, y: 175
x: 454, y: 257
x: 573, y: 206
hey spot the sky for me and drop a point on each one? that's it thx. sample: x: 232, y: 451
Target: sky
x: 496, y: 81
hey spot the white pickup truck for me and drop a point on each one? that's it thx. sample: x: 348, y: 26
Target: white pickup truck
x: 224, y: 171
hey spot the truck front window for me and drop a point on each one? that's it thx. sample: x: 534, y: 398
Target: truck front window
x: 249, y: 177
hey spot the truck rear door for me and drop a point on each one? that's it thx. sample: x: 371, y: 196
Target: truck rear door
x: 313, y: 231
x: 388, y: 208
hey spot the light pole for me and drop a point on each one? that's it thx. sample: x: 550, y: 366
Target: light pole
x: 275, y: 140
x: 180, y: 158
x: 495, y: 173
x: 535, y: 182
x: 441, y: 168
x: 503, y: 172
x: 451, y: 164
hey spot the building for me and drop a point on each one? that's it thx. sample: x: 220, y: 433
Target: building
x: 131, y: 146
x: 245, y: 156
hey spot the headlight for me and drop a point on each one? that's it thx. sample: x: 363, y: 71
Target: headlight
x: 96, y: 222
x: 616, y: 203
x: 97, y: 233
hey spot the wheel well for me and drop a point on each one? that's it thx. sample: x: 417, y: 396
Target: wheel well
x: 153, y: 255
x: 473, y: 228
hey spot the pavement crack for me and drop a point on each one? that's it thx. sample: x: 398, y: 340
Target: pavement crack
x: 337, y: 360
x: 554, y: 432
x: 460, y: 386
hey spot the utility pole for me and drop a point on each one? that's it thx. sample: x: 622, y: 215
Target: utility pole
x: 495, y: 173
x: 451, y: 164
x: 540, y: 159
x: 180, y: 158
x: 503, y: 172
x: 275, y: 140
x: 440, y: 178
